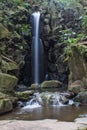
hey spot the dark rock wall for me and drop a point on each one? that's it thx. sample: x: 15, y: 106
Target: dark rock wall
x: 56, y: 19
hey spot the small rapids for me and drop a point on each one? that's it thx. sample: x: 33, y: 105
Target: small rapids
x: 45, y: 99
x: 34, y: 105
x: 48, y: 105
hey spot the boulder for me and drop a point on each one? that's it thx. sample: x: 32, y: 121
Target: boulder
x: 51, y: 84
x: 34, y: 86
x: 12, y: 98
x: 25, y: 95
x: 7, y: 82
x: 76, y: 87
x: 45, y: 96
x: 78, y: 64
x: 82, y: 120
x: 8, y: 66
x: 2, y: 95
x: 81, y: 97
x: 5, y: 105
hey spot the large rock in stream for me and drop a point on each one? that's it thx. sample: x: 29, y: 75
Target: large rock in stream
x: 25, y: 95
x: 51, y: 84
x: 81, y: 97
x: 76, y: 87
x: 6, y: 103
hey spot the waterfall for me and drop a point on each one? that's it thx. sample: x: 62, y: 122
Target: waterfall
x: 37, y: 50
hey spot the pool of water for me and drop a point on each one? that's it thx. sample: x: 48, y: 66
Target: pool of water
x: 63, y: 113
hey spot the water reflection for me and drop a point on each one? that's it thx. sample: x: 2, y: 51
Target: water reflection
x: 62, y: 113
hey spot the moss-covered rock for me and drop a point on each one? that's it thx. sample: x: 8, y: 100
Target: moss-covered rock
x: 7, y: 82
x: 9, y: 96
x: 78, y: 64
x: 45, y: 96
x: 76, y: 87
x: 5, y: 105
x: 8, y: 66
x: 81, y: 97
x: 34, y: 86
x: 51, y: 84
x: 25, y: 95
x: 2, y: 95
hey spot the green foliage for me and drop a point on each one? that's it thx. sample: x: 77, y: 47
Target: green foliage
x: 68, y: 53
x: 17, y: 1
x: 81, y: 37
x: 25, y: 29
x: 83, y: 50
x: 70, y: 3
x: 44, y: 5
x: 72, y: 41
x: 68, y: 36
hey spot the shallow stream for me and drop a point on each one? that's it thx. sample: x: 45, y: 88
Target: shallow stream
x: 62, y: 113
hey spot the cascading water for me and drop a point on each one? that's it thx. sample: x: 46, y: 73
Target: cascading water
x: 37, y: 50
x: 35, y: 102
x: 47, y: 99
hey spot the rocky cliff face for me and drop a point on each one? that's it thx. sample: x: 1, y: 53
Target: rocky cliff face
x: 58, y: 21
x: 78, y: 68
